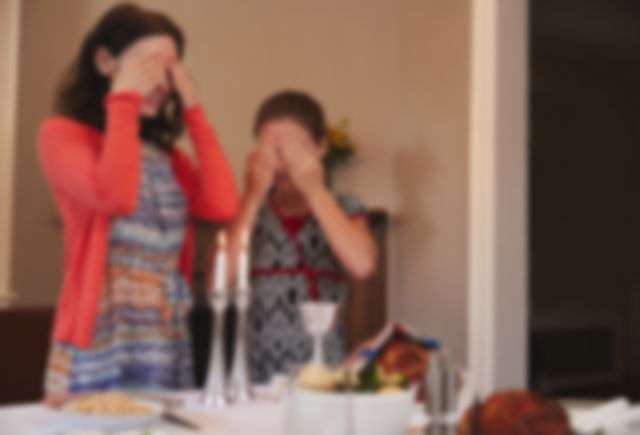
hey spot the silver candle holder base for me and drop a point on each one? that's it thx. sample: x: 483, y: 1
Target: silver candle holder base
x: 220, y: 391
x: 240, y: 384
x: 215, y: 391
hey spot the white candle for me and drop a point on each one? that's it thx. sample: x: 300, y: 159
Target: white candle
x: 243, y: 262
x: 220, y: 270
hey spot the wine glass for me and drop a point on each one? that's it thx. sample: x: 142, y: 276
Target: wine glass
x: 319, y: 318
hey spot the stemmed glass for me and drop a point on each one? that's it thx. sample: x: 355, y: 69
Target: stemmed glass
x: 319, y: 318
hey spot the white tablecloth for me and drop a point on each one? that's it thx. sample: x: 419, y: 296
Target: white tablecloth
x: 262, y: 416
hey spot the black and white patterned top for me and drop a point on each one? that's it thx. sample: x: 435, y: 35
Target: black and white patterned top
x: 287, y: 269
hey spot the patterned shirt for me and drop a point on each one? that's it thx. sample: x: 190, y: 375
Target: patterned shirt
x: 289, y: 267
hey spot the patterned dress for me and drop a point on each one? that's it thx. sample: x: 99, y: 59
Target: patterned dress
x: 140, y: 339
x: 291, y: 263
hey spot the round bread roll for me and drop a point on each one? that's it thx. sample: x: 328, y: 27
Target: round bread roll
x: 515, y: 413
x: 316, y: 376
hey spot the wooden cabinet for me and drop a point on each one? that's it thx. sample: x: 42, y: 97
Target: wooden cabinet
x: 366, y: 309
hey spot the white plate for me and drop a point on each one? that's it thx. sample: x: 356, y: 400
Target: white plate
x: 113, y: 422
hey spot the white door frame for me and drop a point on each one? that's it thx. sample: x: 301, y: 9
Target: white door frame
x: 498, y: 301
x: 9, y: 58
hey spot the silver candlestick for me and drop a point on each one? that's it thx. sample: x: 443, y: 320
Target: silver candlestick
x: 240, y: 385
x: 215, y: 392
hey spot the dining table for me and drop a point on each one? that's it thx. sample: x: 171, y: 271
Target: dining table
x: 262, y: 415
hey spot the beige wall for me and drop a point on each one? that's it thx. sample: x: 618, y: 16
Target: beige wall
x: 398, y: 69
x: 49, y: 34
x: 429, y: 256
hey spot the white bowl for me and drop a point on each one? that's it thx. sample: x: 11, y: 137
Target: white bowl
x: 112, y: 422
x: 328, y: 413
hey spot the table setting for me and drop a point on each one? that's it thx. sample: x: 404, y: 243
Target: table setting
x: 310, y: 397
x: 396, y: 383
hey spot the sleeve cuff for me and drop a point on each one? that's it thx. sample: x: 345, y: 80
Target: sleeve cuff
x: 193, y: 114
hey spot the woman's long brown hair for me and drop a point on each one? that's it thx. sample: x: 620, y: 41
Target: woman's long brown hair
x: 83, y: 90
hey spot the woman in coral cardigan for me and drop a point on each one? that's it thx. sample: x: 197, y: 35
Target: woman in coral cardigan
x: 127, y: 197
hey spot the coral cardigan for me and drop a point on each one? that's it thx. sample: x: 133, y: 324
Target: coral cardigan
x: 95, y: 176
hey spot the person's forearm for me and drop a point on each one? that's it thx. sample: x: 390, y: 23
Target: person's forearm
x: 117, y: 174
x: 352, y: 243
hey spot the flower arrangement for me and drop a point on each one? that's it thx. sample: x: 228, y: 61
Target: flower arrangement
x: 341, y: 147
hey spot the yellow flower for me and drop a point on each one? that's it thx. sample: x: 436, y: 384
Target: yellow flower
x: 339, y: 136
